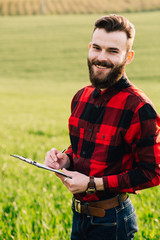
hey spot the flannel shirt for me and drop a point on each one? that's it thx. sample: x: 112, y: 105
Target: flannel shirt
x: 115, y: 135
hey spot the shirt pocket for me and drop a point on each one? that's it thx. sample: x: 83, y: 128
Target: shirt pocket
x: 103, y: 138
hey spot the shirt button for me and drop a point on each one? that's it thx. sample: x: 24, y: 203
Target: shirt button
x: 90, y: 130
x: 97, y: 106
x: 83, y: 152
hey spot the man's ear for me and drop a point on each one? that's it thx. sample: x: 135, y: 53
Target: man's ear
x: 130, y: 57
x: 90, y: 45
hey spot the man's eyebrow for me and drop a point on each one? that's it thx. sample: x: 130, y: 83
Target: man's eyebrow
x: 113, y: 49
x: 95, y: 45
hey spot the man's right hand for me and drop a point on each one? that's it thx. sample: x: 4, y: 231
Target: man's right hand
x: 56, y: 159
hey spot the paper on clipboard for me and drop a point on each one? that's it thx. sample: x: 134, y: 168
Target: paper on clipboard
x: 30, y: 161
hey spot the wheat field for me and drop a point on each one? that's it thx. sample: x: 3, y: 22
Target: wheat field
x: 34, y: 7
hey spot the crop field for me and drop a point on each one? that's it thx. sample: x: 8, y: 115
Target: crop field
x: 42, y: 65
x: 29, y: 7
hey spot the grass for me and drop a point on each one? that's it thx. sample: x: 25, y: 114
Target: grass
x: 43, y: 63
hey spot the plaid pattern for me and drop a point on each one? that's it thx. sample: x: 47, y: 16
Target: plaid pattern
x: 115, y: 134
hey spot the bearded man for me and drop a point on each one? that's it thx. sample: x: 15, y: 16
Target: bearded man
x: 115, y: 139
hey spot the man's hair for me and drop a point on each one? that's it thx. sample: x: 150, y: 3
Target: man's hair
x: 113, y: 23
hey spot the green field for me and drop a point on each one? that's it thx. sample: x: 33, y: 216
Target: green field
x: 42, y: 65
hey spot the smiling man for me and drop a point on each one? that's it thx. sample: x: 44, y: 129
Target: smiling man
x: 115, y: 140
x: 108, y: 55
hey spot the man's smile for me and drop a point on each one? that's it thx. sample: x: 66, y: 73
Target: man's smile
x: 101, y: 67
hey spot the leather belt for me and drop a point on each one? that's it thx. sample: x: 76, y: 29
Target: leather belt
x: 98, y: 208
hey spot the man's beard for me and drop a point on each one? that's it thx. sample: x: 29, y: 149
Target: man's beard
x: 110, y: 79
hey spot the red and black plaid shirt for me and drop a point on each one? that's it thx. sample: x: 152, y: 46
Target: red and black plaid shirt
x: 115, y: 134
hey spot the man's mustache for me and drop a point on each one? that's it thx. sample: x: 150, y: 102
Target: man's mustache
x: 104, y: 64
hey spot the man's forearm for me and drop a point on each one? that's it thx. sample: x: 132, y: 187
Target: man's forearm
x: 99, y: 184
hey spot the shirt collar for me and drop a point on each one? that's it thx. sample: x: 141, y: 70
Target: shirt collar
x: 96, y: 92
x: 118, y: 86
x: 122, y: 84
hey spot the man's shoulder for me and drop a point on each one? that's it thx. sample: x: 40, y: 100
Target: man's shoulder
x: 83, y: 92
x: 137, y: 94
x: 88, y: 88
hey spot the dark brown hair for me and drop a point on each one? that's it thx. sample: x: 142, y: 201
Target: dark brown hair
x: 113, y: 23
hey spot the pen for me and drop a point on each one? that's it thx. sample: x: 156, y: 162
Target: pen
x: 63, y: 150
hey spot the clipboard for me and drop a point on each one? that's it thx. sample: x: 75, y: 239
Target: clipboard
x: 39, y: 165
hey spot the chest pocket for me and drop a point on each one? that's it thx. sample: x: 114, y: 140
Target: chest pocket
x: 103, y: 138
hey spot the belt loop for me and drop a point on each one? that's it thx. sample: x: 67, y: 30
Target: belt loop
x: 86, y: 208
x: 120, y: 201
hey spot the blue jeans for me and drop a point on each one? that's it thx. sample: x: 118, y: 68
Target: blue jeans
x: 119, y: 223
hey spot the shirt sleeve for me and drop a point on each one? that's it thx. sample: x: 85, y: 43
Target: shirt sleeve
x: 143, y: 136
x: 69, y: 153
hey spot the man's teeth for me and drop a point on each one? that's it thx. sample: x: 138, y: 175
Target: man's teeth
x: 99, y: 66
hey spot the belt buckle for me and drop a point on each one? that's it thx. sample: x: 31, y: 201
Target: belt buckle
x: 77, y: 205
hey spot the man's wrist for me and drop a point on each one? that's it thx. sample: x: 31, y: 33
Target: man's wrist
x: 99, y: 184
x: 68, y: 163
x: 91, y: 188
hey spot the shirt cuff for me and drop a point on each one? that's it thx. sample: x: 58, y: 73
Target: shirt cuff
x: 71, y: 162
x: 69, y: 153
x: 111, y: 183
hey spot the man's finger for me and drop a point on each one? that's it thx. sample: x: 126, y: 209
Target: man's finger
x: 65, y: 180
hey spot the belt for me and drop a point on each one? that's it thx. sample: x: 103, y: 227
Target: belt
x: 98, y: 208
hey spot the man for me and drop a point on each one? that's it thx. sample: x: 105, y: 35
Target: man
x: 115, y: 139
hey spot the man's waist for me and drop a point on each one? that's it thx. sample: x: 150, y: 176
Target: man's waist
x: 98, y: 208
x: 100, y: 196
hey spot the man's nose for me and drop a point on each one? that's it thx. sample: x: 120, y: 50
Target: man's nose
x: 102, y: 56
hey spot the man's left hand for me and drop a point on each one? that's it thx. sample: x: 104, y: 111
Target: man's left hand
x: 77, y: 184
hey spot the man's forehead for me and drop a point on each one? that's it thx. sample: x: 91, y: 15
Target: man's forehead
x: 109, y: 39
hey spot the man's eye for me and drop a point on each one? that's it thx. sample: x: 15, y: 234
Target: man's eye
x: 97, y: 48
x: 114, y: 51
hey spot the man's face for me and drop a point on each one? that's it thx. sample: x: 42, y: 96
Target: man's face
x: 107, y: 57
